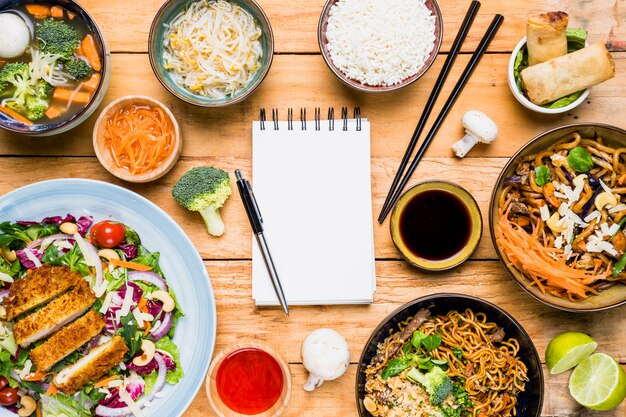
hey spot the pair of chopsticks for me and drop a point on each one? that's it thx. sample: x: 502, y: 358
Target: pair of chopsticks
x: 398, y: 185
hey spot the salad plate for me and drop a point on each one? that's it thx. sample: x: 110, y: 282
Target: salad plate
x: 180, y: 262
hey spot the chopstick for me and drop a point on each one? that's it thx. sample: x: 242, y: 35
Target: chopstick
x: 445, y: 70
x: 467, y: 72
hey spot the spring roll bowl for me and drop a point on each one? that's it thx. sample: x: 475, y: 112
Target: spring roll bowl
x: 524, y: 101
x: 610, y: 298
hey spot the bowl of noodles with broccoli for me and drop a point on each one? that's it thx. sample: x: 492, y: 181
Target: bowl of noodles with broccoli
x: 449, y: 355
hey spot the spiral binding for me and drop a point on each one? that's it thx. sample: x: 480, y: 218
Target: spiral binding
x: 356, y: 114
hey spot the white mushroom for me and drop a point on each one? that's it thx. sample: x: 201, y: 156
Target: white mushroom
x: 478, y: 128
x: 14, y: 35
x: 325, y: 354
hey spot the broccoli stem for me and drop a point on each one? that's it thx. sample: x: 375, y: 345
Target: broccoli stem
x: 213, y: 220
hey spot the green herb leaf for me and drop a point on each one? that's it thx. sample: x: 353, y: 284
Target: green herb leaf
x: 579, y: 159
x: 457, y: 352
x: 395, y: 366
x: 406, y: 349
x: 417, y: 338
x: 542, y: 175
x: 431, y: 342
x: 425, y: 363
x: 439, y: 362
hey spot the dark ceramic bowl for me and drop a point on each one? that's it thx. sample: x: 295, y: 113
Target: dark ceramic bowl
x: 323, y: 44
x: 612, y: 297
x: 66, y: 124
x: 529, y: 402
x: 167, y: 13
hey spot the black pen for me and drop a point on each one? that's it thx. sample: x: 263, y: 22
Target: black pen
x: 256, y: 221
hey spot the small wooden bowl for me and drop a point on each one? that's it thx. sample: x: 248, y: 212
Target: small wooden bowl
x: 106, y: 160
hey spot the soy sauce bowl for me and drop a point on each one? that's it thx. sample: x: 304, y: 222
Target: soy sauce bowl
x: 462, y: 227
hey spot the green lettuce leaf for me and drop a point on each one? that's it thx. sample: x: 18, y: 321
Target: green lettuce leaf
x: 63, y: 406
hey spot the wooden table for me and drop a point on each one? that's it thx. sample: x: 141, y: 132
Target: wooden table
x: 299, y: 78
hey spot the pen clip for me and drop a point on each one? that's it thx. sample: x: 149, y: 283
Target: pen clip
x: 256, y: 205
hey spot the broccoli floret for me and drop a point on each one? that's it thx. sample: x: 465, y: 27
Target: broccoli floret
x: 204, y: 189
x: 435, y: 382
x: 35, y: 107
x: 78, y: 69
x: 56, y: 37
x: 14, y: 79
x: 43, y: 89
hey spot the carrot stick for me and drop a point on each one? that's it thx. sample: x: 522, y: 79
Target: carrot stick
x: 52, y: 390
x: 92, y: 83
x: 38, y: 410
x: 105, y: 381
x: 15, y: 115
x: 79, y: 50
x: 56, y: 11
x: 64, y: 94
x: 39, y: 11
x: 91, y: 53
x: 53, y: 112
x: 130, y: 265
x: 34, y: 376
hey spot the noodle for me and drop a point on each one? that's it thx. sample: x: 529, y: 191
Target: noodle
x: 574, y: 241
x: 478, y: 358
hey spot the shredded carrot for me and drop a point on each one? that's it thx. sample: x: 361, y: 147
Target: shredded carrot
x: 148, y: 326
x: 130, y: 265
x: 52, y: 390
x: 35, y: 376
x: 39, y: 11
x: 139, y: 139
x: 143, y: 305
x: 523, y: 221
x: 15, y: 115
x: 546, y: 266
x: 56, y: 11
x: 105, y: 381
x: 92, y: 83
x: 91, y: 53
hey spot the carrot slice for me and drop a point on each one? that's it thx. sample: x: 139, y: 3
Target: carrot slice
x: 54, y: 111
x: 105, y: 381
x: 71, y: 15
x: 64, y: 94
x: 91, y: 53
x: 15, y: 115
x: 92, y: 83
x: 56, y: 11
x: 39, y: 11
x: 52, y: 390
x: 148, y: 326
x: 34, y: 376
x: 130, y: 265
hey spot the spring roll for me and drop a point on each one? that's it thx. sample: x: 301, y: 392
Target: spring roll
x: 545, y: 36
x: 567, y: 74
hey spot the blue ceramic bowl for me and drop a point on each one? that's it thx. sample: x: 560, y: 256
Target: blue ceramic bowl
x: 167, y: 13
x: 65, y: 124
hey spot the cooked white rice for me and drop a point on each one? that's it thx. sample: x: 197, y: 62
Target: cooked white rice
x: 380, y: 42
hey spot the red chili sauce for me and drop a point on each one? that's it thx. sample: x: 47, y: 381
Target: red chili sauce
x: 249, y: 381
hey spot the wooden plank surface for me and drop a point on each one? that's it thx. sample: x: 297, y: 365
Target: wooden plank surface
x: 299, y: 78
x: 295, y: 28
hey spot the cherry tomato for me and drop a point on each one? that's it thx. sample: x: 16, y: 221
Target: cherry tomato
x: 8, y: 396
x: 107, y: 234
x: 3, y: 382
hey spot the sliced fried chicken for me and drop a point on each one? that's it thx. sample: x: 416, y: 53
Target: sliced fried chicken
x: 66, y: 341
x: 54, y: 315
x: 91, y: 367
x: 37, y: 288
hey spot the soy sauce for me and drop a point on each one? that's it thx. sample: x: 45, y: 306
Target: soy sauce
x: 249, y: 381
x: 435, y: 225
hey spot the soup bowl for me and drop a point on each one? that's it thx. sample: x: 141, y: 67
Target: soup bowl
x: 63, y: 124
x: 529, y: 402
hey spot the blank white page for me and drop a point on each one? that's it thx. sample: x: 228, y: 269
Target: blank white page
x: 314, y: 191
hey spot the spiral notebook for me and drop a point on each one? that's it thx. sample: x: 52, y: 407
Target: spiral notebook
x: 312, y: 183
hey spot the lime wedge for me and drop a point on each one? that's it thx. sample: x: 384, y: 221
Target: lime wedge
x: 567, y: 350
x: 598, y: 382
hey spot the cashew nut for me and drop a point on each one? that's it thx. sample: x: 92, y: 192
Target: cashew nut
x: 148, y: 349
x: 605, y: 198
x: 8, y: 254
x: 166, y: 299
x: 552, y: 224
x: 108, y: 254
x: 28, y: 406
x: 68, y: 228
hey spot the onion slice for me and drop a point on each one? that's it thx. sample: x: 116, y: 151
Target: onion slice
x: 36, y: 243
x: 149, y: 277
x: 91, y: 257
x: 163, y: 328
x: 104, y: 411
